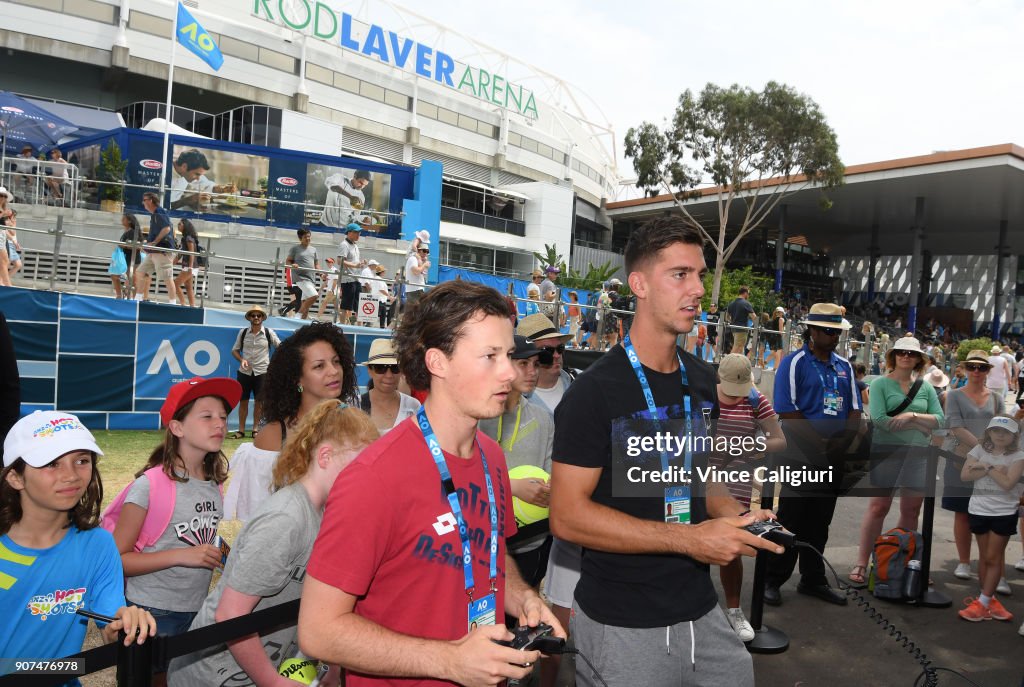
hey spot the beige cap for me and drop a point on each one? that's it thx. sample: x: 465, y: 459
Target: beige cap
x: 735, y: 375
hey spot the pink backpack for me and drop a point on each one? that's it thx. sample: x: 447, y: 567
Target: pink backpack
x: 162, y: 493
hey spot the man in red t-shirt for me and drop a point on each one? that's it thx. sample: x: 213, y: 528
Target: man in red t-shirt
x: 387, y: 594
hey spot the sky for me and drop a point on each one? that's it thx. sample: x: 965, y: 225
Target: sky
x: 894, y: 78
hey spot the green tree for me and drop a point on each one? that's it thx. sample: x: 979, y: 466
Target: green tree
x: 550, y: 256
x: 734, y: 140
x: 762, y: 297
x: 111, y: 171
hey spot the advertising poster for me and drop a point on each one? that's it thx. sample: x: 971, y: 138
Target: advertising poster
x: 336, y: 196
x: 218, y: 182
x: 144, y: 167
x: 287, y: 187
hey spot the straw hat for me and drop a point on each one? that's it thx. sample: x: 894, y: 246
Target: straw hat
x: 907, y: 343
x: 978, y: 357
x: 537, y: 327
x: 382, y: 352
x: 827, y: 316
x: 255, y: 309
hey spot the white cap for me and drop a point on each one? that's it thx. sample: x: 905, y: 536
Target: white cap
x: 1003, y: 422
x: 44, y: 436
x: 372, y: 263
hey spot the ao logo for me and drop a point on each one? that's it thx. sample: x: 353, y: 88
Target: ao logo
x: 165, y: 356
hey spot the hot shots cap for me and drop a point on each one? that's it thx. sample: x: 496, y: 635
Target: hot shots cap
x: 44, y: 436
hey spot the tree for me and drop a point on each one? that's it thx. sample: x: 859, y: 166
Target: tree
x: 734, y: 140
x: 111, y: 171
x: 761, y: 296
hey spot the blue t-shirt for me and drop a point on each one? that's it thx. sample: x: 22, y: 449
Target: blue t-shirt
x: 40, y: 590
x: 800, y: 386
x: 157, y: 221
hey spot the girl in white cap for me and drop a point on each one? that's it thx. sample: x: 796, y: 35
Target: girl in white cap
x: 995, y: 466
x: 56, y: 560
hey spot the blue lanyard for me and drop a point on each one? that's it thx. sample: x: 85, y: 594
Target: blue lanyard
x: 634, y: 360
x: 834, y: 377
x: 453, y: 501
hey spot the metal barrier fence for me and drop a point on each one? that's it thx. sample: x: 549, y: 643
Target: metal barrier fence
x: 45, y: 182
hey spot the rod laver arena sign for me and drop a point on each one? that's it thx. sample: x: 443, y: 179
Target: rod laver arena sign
x: 375, y: 42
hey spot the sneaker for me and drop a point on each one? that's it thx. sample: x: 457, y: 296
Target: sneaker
x: 1020, y: 564
x: 739, y: 623
x: 1004, y: 587
x: 963, y: 571
x: 997, y: 611
x: 974, y: 611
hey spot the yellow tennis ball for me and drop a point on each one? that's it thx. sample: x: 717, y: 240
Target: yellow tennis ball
x: 301, y: 670
x: 527, y: 513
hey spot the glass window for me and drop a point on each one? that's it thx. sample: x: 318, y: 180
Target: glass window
x: 346, y: 82
x: 529, y: 144
x: 315, y: 72
x: 544, y: 150
x: 371, y: 91
x: 396, y: 99
x: 427, y: 109
x: 467, y: 123
x: 488, y: 130
x: 515, y: 139
x: 447, y: 116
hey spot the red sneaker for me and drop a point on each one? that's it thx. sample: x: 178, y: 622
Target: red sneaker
x: 974, y: 612
x: 998, y: 611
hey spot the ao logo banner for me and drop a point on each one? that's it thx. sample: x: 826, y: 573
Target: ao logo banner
x: 170, y: 353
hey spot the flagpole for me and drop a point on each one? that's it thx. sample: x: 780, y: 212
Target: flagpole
x: 167, y: 107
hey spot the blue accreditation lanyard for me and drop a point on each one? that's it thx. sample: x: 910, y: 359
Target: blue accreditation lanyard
x: 831, y: 400
x: 677, y: 498
x: 453, y: 501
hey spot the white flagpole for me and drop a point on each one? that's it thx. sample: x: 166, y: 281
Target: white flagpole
x: 167, y: 107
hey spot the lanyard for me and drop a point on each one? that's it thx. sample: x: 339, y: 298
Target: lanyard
x: 515, y: 432
x: 634, y: 360
x: 453, y: 500
x: 834, y: 378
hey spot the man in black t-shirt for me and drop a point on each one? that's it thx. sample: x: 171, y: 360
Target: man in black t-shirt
x: 740, y: 311
x: 644, y: 573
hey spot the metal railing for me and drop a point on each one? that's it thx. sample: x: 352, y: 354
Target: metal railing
x: 36, y: 182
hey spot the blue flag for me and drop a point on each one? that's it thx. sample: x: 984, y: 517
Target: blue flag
x: 193, y: 36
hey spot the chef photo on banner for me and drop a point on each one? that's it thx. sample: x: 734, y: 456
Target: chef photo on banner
x: 337, y: 196
x: 218, y: 182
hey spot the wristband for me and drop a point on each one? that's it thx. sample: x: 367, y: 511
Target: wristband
x: 744, y: 513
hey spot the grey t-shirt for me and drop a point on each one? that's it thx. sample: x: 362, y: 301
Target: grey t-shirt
x: 197, y: 512
x: 305, y: 260
x: 962, y: 412
x: 269, y: 561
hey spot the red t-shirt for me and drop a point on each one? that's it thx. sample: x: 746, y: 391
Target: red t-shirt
x: 740, y: 420
x: 384, y: 538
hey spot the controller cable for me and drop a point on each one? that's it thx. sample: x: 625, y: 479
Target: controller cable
x: 928, y: 672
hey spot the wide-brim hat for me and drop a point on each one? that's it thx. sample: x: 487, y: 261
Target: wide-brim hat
x: 255, y: 309
x: 44, y: 436
x: 537, y: 327
x: 827, y: 316
x: 382, y: 352
x: 536, y: 273
x: 908, y: 343
x: 737, y: 378
x: 423, y: 235
x: 5, y: 192
x: 378, y: 268
x: 996, y: 350
x: 185, y: 392
x: 978, y: 357
x: 937, y: 378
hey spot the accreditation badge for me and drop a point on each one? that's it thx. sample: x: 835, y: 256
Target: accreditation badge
x: 483, y: 612
x: 677, y: 505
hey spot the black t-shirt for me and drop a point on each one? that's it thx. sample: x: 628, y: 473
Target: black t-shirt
x: 634, y: 590
x: 712, y: 324
x: 131, y: 236
x: 738, y: 310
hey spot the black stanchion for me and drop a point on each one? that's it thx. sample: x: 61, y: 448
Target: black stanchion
x: 929, y: 597
x: 767, y: 640
x: 135, y: 662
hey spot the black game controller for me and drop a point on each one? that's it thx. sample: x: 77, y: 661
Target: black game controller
x: 772, y: 531
x: 534, y: 639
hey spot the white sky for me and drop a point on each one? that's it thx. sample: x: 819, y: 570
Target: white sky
x: 894, y: 78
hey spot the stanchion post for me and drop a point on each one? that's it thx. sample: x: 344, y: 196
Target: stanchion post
x: 206, y: 275
x: 767, y: 640
x: 273, y: 284
x: 928, y: 597
x: 135, y: 662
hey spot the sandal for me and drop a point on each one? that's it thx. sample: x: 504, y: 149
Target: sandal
x: 857, y: 577
x: 255, y: 432
x: 236, y: 435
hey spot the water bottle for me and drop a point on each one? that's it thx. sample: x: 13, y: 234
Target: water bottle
x: 871, y: 576
x: 912, y: 580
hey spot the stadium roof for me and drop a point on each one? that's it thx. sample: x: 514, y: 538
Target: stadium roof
x: 967, y: 193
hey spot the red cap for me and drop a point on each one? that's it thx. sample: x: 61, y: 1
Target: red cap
x: 183, y: 393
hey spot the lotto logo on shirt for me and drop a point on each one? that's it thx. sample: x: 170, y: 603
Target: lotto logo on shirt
x: 57, y: 602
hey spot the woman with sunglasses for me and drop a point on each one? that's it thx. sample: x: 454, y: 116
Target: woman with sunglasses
x: 383, y: 402
x: 968, y: 412
x: 905, y: 411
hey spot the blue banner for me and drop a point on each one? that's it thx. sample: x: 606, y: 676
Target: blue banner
x: 287, y: 182
x: 193, y: 36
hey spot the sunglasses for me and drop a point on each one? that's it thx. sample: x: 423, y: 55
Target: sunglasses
x: 826, y: 330
x: 257, y: 317
x: 381, y: 369
x: 976, y: 368
x: 906, y: 354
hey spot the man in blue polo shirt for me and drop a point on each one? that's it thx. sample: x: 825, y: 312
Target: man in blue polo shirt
x: 816, y: 396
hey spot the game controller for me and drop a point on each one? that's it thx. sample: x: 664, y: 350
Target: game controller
x: 534, y: 639
x: 772, y: 531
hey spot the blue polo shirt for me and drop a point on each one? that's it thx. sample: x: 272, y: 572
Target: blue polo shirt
x: 157, y: 221
x: 800, y: 385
